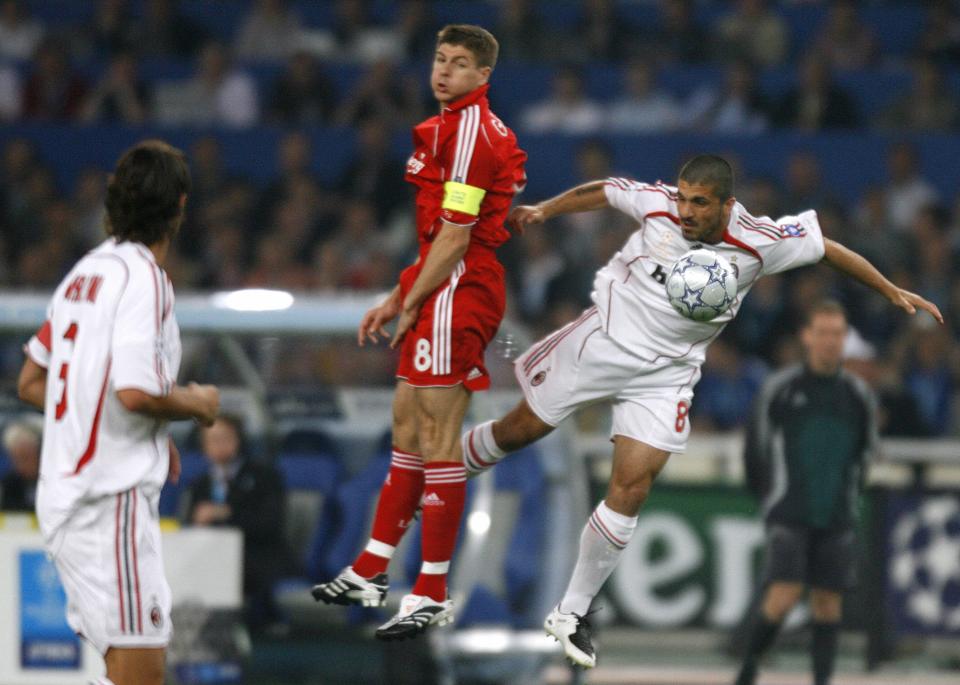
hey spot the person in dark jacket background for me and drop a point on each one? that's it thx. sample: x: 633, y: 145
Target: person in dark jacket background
x: 247, y: 494
x: 811, y: 432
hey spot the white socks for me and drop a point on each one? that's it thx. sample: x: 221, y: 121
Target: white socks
x: 480, y: 451
x: 603, y: 539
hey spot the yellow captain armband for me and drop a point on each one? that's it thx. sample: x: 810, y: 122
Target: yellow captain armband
x: 459, y: 197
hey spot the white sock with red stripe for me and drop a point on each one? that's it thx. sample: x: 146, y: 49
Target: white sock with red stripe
x: 602, y: 541
x: 480, y: 450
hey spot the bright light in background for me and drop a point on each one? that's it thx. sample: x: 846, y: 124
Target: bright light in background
x: 479, y: 522
x: 253, y: 300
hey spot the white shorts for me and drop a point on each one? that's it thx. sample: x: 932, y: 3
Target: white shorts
x: 579, y: 365
x: 110, y: 563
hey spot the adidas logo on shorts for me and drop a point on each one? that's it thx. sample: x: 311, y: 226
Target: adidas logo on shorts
x: 432, y: 500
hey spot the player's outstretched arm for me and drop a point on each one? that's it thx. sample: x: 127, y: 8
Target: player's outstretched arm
x: 846, y: 260
x: 582, y: 198
x: 193, y: 401
x: 32, y: 383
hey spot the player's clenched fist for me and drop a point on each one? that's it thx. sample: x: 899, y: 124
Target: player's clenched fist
x: 522, y: 216
x: 208, y: 402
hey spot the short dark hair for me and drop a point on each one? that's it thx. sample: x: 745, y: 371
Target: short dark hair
x: 709, y: 170
x: 824, y: 306
x: 476, y: 39
x: 143, y: 193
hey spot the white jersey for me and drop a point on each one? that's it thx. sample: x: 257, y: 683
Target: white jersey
x: 110, y: 326
x: 629, y: 291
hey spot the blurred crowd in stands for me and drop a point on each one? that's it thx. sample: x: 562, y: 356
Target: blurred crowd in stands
x: 361, y: 66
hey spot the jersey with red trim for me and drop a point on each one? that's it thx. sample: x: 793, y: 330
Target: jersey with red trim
x: 467, y: 167
x: 110, y: 326
x: 629, y: 291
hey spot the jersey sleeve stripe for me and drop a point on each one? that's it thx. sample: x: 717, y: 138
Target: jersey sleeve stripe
x: 466, y: 140
x: 667, y: 215
x: 764, y: 232
x: 158, y: 316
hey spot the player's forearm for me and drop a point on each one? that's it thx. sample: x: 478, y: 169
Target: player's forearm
x: 32, y: 384
x: 583, y: 198
x: 849, y: 262
x: 180, y: 404
x: 448, y: 249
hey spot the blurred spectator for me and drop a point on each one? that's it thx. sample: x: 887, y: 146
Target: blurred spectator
x: 294, y: 178
x: 382, y: 93
x: 21, y: 441
x: 816, y: 102
x: 87, y: 206
x: 844, y: 41
x: 727, y: 387
x: 678, y: 38
x: 578, y: 234
x: 19, y: 33
x: 762, y: 194
x: 761, y: 321
x: 120, y: 97
x: 208, y: 176
x: 302, y: 96
x: 357, y: 238
x: 803, y: 183
x: 907, y: 190
x: 270, y: 31
x: 930, y: 369
x: 566, y: 110
x: 940, y: 40
x: 736, y: 106
x: 54, y: 90
x: 873, y: 235
x: 542, y: 262
x: 20, y: 164
x: 375, y: 175
x: 11, y: 93
x: 754, y: 32
x: 521, y: 33
x: 929, y: 106
x: 112, y: 29
x: 935, y: 258
x: 165, y: 31
x: 354, y: 36
x: 243, y: 493
x: 416, y: 30
x: 218, y: 93
x: 643, y: 106
x: 276, y: 265
x: 600, y: 33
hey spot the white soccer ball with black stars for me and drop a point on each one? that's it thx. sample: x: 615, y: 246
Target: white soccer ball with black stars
x: 701, y: 285
x: 925, y: 562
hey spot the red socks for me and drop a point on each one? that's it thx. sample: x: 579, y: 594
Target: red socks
x: 444, y: 492
x: 399, y: 498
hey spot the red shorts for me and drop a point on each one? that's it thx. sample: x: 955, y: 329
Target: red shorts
x: 456, y: 323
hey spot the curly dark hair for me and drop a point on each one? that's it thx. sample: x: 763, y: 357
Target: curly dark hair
x: 144, y: 191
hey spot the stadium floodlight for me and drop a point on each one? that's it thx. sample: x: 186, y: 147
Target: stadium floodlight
x: 253, y: 300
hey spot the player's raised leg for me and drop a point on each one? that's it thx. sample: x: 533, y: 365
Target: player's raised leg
x: 365, y: 582
x: 604, y: 537
x: 440, y: 413
x: 486, y: 444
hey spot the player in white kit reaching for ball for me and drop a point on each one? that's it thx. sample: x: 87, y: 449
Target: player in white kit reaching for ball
x: 634, y: 350
x: 103, y: 368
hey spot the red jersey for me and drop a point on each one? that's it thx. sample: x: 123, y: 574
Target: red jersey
x: 467, y: 167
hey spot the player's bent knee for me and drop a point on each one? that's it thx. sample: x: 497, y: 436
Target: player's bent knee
x: 519, y: 428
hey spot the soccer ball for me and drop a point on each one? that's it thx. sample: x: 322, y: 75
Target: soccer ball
x: 702, y: 285
x: 925, y: 549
